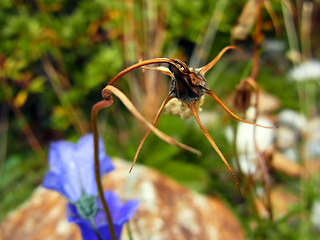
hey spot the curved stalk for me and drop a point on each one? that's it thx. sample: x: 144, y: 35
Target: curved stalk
x: 207, y: 67
x: 138, y: 65
x: 148, y: 132
x: 213, y: 144
x: 94, y: 114
x: 230, y: 112
x: 128, y: 104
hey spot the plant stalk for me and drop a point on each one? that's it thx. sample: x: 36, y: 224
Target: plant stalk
x: 94, y: 114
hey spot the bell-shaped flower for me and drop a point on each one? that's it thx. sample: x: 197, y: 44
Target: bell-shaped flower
x: 71, y: 170
x: 96, y: 227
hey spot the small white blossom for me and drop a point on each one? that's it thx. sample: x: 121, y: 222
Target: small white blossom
x: 293, y: 119
x: 245, y: 136
x: 248, y: 163
x: 306, y: 71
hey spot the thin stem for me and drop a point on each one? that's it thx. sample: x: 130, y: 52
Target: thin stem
x: 128, y: 104
x: 273, y: 16
x: 161, y: 69
x: 148, y: 132
x: 129, y: 230
x: 305, y: 29
x: 207, y: 67
x: 229, y: 111
x: 94, y: 227
x: 261, y: 160
x: 138, y: 65
x: 257, y: 40
x: 213, y: 144
x: 253, y: 76
x: 288, y: 14
x: 94, y: 114
x: 236, y: 154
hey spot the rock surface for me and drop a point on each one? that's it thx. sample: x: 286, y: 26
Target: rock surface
x: 167, y: 210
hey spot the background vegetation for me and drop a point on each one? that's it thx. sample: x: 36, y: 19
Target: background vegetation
x: 56, y: 56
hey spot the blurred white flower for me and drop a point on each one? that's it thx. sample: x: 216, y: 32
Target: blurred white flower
x: 247, y: 155
x: 305, y: 71
x: 245, y: 136
x: 248, y: 163
x: 293, y: 119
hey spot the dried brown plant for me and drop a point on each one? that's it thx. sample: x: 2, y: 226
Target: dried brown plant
x: 188, y: 85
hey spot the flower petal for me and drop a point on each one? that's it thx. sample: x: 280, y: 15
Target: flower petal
x: 127, y: 211
x: 52, y: 181
x: 105, y: 233
x: 72, y: 213
x: 120, y: 214
x: 61, y: 160
x: 84, y: 157
x: 72, y: 167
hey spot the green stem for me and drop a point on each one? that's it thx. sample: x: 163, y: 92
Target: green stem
x: 129, y: 230
x: 94, y: 227
x: 94, y: 113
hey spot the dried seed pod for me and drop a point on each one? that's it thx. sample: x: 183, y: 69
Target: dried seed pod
x: 242, y: 97
x: 188, y: 87
x: 178, y: 108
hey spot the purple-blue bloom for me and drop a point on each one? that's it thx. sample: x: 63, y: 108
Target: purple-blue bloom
x: 120, y: 213
x: 72, y: 167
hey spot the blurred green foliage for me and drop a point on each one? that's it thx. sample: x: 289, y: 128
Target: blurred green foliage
x: 56, y: 56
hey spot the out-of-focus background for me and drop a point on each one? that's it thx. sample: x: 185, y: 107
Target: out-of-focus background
x: 56, y: 57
